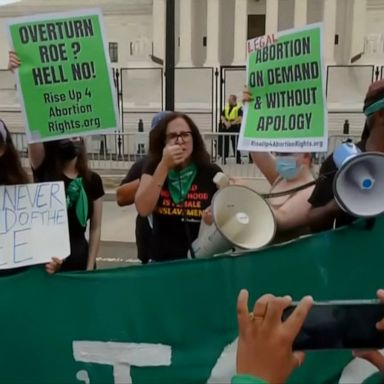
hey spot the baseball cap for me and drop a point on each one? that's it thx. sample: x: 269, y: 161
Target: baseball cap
x: 156, y: 120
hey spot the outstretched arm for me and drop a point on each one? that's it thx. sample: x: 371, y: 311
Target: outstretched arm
x: 263, y: 160
x: 267, y: 165
x: 125, y: 194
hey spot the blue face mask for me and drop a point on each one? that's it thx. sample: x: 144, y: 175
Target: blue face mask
x: 287, y: 167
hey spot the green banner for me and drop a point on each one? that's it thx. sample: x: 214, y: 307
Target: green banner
x: 285, y: 75
x: 175, y: 322
x: 65, y: 81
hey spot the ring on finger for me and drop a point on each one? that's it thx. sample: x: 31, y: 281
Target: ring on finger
x: 253, y: 316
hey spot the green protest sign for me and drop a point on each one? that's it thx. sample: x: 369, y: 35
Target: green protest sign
x: 64, y: 82
x: 172, y: 323
x: 285, y: 75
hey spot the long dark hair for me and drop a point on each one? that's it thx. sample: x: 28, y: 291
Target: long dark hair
x: 11, y: 170
x: 54, y: 164
x: 157, y: 139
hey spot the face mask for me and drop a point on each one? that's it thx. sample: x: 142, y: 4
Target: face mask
x: 69, y: 149
x: 287, y: 167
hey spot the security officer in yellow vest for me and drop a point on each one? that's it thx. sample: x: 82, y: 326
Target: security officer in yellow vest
x: 230, y: 123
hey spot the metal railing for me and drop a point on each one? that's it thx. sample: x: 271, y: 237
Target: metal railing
x: 200, y: 92
x: 106, y: 153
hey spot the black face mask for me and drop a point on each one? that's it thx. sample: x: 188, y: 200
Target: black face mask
x: 69, y: 149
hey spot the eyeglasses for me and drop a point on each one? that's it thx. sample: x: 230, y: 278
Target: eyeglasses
x: 184, y: 136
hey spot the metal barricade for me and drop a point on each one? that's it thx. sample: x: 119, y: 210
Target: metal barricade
x: 118, y: 159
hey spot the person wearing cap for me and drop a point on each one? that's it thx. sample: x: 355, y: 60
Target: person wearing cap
x: 325, y: 212
x: 125, y: 195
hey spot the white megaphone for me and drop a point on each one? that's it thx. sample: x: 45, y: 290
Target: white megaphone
x: 241, y: 219
x: 359, y: 182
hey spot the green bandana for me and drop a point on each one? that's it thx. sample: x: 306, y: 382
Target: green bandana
x: 179, y: 182
x: 76, y: 195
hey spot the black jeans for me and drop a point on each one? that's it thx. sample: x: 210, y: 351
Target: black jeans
x: 224, y: 140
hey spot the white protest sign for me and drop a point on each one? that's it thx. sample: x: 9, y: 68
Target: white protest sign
x: 33, y: 224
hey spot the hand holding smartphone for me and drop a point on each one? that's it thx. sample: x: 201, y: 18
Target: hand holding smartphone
x: 340, y: 325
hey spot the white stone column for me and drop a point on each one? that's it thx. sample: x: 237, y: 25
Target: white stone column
x: 300, y: 16
x: 241, y: 32
x: 357, y: 27
x: 329, y: 17
x: 271, y: 16
x: 185, y: 35
x: 158, y: 25
x: 213, y: 33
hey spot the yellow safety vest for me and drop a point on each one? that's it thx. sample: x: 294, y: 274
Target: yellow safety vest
x: 234, y: 114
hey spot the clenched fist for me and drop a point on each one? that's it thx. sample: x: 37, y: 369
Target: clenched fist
x: 173, y: 155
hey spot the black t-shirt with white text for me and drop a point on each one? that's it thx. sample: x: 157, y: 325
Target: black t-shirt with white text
x: 172, y: 234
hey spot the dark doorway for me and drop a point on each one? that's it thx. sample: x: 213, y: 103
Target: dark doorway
x: 256, y: 26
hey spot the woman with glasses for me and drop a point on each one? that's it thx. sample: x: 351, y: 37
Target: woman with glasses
x: 176, y: 186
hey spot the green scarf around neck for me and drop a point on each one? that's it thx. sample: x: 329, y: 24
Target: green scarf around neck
x: 77, y: 196
x: 179, y: 182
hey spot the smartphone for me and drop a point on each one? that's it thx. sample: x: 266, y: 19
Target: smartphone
x: 340, y: 325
